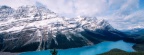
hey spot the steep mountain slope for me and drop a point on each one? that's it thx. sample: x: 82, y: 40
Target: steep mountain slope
x: 31, y: 28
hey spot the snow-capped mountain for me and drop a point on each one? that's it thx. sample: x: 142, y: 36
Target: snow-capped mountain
x: 30, y: 28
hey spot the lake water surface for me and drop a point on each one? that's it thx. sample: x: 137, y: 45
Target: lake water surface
x: 89, y: 50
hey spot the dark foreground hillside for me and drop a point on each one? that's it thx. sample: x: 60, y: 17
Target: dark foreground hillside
x: 121, y: 52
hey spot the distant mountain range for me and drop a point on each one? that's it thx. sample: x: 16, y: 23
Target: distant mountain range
x: 31, y: 28
x: 138, y: 35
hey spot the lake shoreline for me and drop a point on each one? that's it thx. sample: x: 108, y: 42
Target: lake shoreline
x: 89, y: 50
x: 8, y: 53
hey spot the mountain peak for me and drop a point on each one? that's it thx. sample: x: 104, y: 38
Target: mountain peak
x: 33, y: 24
x: 4, y: 7
x: 33, y: 16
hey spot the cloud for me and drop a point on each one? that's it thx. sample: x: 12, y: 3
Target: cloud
x: 135, y: 19
x: 128, y: 15
x: 91, y: 7
x: 16, y: 3
x: 132, y: 20
x: 121, y: 14
x: 80, y: 7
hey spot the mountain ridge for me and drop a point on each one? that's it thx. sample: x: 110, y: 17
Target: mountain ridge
x: 31, y: 28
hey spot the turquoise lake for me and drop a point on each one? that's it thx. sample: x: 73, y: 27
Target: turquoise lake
x: 89, y: 50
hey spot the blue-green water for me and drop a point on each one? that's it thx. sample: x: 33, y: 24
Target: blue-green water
x: 88, y: 50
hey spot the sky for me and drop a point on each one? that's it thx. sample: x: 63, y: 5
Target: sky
x: 121, y: 14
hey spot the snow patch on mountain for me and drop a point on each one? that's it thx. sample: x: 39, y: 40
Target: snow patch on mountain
x: 40, y: 17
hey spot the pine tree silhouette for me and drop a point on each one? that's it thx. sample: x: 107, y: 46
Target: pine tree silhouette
x: 54, y: 52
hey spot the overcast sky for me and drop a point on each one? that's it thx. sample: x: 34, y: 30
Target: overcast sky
x: 121, y: 14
